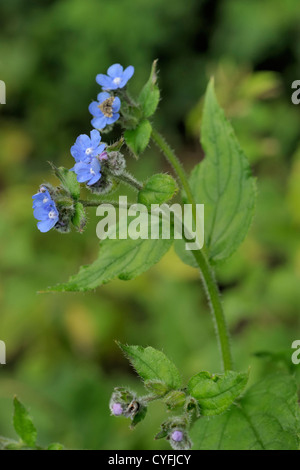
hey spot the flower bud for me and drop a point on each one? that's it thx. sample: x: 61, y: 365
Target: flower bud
x: 175, y: 431
x: 175, y: 399
x: 120, y: 401
x: 177, y: 436
x: 179, y: 439
x: 124, y: 403
x: 116, y: 163
x: 117, y: 409
x: 66, y: 211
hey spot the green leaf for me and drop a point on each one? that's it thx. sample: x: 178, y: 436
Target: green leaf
x: 158, y: 189
x: 68, y: 180
x: 140, y: 416
x: 223, y: 183
x: 123, y: 259
x: 79, y: 217
x: 215, y: 393
x: 149, y: 96
x: 23, y: 424
x: 156, y: 387
x: 175, y: 399
x: 152, y: 364
x: 184, y: 254
x: 137, y: 139
x: 55, y: 446
x: 266, y: 418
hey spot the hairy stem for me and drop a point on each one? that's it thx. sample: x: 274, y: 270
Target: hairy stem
x: 206, y: 270
x: 94, y: 203
x: 130, y: 180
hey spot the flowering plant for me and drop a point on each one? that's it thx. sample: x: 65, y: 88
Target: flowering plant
x: 210, y: 410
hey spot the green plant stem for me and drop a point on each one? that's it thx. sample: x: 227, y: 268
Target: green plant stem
x: 216, y: 307
x: 206, y: 270
x: 94, y: 203
x: 130, y: 180
x: 176, y: 164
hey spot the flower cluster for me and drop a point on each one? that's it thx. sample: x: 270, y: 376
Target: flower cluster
x: 105, y: 110
x: 93, y: 165
x: 125, y: 403
x: 44, y: 210
x: 88, y: 152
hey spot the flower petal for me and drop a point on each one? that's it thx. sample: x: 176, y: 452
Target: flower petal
x: 96, y: 167
x: 41, y: 212
x: 95, y: 138
x: 104, y: 81
x: 99, y: 122
x: 113, y: 119
x: 83, y: 177
x: 128, y: 72
x: 115, y: 70
x: 76, y: 154
x: 98, y: 150
x: 102, y: 96
x: 46, y: 225
x: 94, y: 179
x: 116, y: 104
x: 83, y: 140
x: 94, y: 109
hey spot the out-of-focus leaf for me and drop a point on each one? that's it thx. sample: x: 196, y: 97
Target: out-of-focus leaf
x: 23, y: 424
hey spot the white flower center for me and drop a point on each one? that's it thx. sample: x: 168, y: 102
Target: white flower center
x: 52, y: 215
x: 117, y: 80
x: 92, y: 171
x: 88, y: 151
x: 45, y: 200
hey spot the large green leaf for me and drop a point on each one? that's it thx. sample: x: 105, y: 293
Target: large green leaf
x: 266, y: 418
x: 222, y: 182
x: 123, y: 259
x: 215, y: 393
x: 152, y: 364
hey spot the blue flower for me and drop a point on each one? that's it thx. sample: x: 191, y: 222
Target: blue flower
x: 41, y: 198
x: 87, y: 147
x: 88, y: 172
x: 116, y: 77
x: 105, y: 110
x: 44, y: 210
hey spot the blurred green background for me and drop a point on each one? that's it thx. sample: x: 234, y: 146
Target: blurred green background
x: 62, y: 361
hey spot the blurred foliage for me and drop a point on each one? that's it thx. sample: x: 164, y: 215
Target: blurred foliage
x: 61, y: 357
